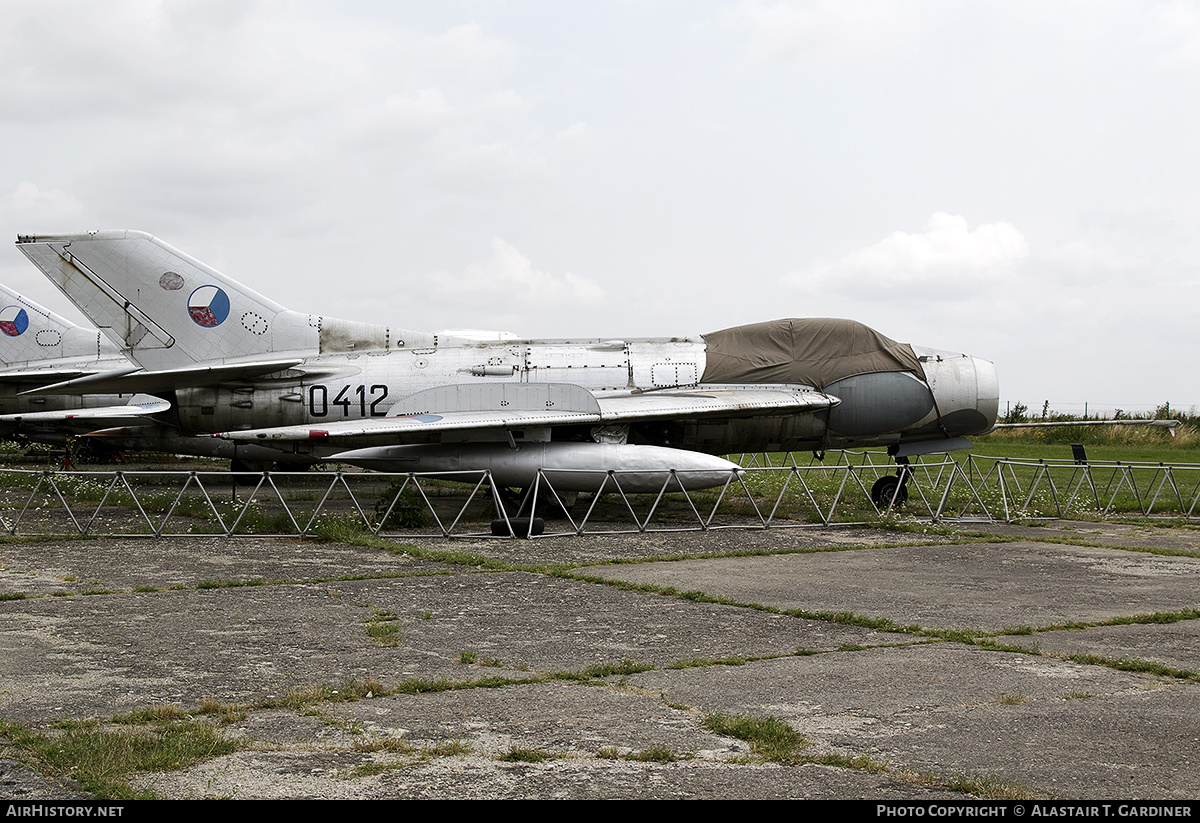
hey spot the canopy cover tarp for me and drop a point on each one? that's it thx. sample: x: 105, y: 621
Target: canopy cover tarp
x: 809, y: 351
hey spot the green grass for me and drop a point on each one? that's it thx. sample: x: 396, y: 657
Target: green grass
x: 653, y: 754
x: 624, y: 667
x: 102, y: 759
x: 820, y: 491
x: 384, y: 633
x: 1126, y: 443
x: 516, y: 754
x: 769, y: 738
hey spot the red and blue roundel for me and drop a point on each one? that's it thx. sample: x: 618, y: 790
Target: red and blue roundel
x: 13, y: 320
x: 208, y: 306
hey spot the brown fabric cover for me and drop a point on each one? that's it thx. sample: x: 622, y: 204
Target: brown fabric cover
x: 810, y: 351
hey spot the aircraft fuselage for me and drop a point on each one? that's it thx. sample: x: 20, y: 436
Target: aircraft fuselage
x: 301, y: 387
x: 876, y: 409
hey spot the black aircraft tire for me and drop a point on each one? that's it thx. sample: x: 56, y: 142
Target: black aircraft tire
x: 885, y: 489
x: 520, y: 527
x: 247, y: 472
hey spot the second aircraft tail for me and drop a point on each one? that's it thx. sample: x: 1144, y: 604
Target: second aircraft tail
x: 166, y: 310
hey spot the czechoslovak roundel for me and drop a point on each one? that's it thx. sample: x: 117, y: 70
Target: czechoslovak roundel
x: 208, y: 306
x: 13, y: 320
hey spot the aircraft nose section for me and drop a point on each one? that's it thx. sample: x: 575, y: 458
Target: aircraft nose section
x: 988, y: 391
x: 966, y: 391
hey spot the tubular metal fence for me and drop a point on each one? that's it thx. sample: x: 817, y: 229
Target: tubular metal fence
x: 772, y: 491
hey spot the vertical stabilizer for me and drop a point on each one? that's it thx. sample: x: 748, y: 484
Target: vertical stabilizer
x: 163, y: 308
x: 32, y: 336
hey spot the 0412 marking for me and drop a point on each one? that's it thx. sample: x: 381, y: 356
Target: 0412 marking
x: 363, y: 400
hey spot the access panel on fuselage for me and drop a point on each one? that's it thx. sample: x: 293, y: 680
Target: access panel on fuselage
x: 595, y: 367
x: 665, y: 364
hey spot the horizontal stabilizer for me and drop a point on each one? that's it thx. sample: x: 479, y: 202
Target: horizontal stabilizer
x: 136, y: 380
x: 140, y: 406
x: 41, y: 376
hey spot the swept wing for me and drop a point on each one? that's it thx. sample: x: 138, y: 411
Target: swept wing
x: 522, y: 406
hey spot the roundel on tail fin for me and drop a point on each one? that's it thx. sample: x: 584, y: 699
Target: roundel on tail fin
x: 208, y: 306
x: 13, y: 320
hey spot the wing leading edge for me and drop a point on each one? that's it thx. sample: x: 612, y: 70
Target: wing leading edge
x: 542, y: 405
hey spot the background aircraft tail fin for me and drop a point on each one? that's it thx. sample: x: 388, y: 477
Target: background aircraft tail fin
x: 32, y: 336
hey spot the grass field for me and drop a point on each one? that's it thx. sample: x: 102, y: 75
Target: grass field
x: 1124, y: 477
x: 1128, y: 444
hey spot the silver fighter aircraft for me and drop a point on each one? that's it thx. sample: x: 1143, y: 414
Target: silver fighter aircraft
x: 281, y: 386
x: 38, y: 347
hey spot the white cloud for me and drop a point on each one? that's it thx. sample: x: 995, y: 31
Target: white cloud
x: 470, y: 52
x: 1084, y: 263
x: 679, y: 154
x: 846, y: 33
x: 934, y: 264
x: 407, y: 118
x: 182, y: 176
x: 505, y: 292
x: 508, y: 279
x: 298, y: 114
x: 38, y: 209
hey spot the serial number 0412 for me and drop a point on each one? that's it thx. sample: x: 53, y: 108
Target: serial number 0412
x: 354, y: 401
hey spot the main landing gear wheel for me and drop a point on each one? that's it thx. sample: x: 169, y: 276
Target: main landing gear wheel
x: 549, y: 505
x: 889, y: 491
x: 248, y: 472
x: 519, y: 525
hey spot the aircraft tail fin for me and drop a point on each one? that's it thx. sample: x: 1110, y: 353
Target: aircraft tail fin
x: 31, y: 336
x: 167, y: 310
x: 162, y: 307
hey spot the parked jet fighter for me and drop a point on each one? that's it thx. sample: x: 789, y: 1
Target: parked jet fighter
x: 38, y: 347
x: 297, y: 387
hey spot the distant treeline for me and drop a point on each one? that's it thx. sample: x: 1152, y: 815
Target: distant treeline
x: 1184, y: 436
x: 1020, y: 413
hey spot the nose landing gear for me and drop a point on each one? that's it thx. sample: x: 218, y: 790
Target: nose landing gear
x: 891, y: 491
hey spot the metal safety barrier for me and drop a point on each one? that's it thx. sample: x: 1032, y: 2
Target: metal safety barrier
x: 771, y: 491
x: 1051, y: 489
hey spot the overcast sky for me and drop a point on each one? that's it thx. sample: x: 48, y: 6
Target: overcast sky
x: 1017, y: 180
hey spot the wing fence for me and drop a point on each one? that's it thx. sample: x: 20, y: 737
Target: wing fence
x: 771, y: 491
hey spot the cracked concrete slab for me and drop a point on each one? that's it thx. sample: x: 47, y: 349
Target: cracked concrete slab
x: 484, y: 679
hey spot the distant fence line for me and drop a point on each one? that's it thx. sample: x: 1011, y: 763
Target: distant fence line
x: 772, y: 491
